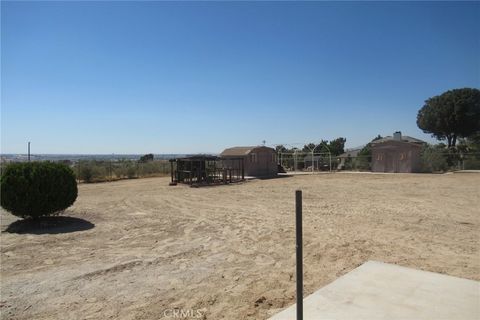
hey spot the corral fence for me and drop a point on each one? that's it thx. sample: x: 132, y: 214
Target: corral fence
x: 307, y: 161
x: 429, y: 162
x: 438, y: 160
x: 451, y: 161
x: 301, y: 161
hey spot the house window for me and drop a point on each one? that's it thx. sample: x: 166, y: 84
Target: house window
x: 253, y: 157
x: 274, y: 157
x: 380, y: 157
x: 403, y: 156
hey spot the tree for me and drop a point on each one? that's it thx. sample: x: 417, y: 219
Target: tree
x: 36, y: 189
x: 469, y: 149
x: 337, y: 146
x: 470, y: 144
x: 364, y: 156
x: 451, y: 115
x: 146, y: 158
x: 85, y: 172
x: 281, y: 149
x: 434, y: 158
x: 309, y: 147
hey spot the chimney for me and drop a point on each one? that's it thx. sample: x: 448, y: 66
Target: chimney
x: 397, y: 136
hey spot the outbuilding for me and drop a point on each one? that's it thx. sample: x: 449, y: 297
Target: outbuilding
x: 346, y: 160
x: 205, y: 170
x: 259, y: 161
x: 397, y: 153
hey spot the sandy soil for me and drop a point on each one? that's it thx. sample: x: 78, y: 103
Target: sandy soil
x: 228, y: 251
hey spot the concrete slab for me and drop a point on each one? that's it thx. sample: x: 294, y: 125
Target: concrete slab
x: 377, y: 290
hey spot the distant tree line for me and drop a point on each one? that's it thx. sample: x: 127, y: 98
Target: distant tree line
x: 335, y: 147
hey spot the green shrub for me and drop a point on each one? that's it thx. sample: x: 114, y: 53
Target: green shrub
x: 131, y: 171
x: 36, y: 189
x: 90, y: 171
x: 434, y: 158
x: 97, y: 171
x: 471, y: 163
x: 85, y: 173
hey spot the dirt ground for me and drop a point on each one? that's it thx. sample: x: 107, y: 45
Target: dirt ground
x: 228, y: 251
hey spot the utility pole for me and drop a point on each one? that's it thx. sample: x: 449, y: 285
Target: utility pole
x: 28, y: 151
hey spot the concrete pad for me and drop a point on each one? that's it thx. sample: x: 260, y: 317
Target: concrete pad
x: 377, y: 290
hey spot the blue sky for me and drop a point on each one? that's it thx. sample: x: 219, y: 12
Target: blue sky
x: 183, y: 77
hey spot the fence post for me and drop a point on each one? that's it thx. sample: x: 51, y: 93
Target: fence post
x: 299, y: 251
x: 243, y: 169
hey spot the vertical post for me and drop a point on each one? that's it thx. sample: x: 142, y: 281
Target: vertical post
x: 295, y: 160
x: 330, y: 159
x: 243, y: 168
x: 190, y: 172
x: 28, y: 151
x: 313, y: 164
x: 299, y: 251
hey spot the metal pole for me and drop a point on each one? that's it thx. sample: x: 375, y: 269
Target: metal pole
x: 295, y: 163
x: 313, y: 165
x: 330, y: 159
x: 28, y: 151
x: 299, y: 251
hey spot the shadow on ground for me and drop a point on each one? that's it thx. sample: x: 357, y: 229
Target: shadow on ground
x: 279, y: 176
x: 49, y: 225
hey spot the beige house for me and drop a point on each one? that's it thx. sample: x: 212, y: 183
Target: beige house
x: 259, y: 161
x: 396, y: 153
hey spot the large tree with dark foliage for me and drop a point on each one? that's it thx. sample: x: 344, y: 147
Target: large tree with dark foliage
x: 337, y: 146
x: 146, y: 158
x: 451, y: 115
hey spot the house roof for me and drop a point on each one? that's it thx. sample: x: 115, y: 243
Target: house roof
x: 407, y: 139
x: 240, y: 151
x: 350, y: 153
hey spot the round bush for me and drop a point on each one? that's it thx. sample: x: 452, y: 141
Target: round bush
x: 36, y: 189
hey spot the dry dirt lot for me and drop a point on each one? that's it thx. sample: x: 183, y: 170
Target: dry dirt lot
x: 228, y: 251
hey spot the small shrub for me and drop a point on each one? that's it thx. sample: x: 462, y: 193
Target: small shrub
x: 90, y: 171
x: 97, y: 171
x: 85, y: 173
x: 471, y: 163
x: 434, y: 159
x: 363, y: 163
x: 37, y: 189
x: 120, y: 171
x: 131, y: 172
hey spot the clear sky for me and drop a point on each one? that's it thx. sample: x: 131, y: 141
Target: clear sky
x: 183, y: 77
